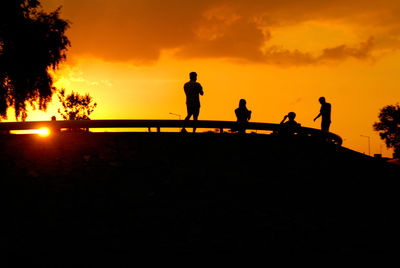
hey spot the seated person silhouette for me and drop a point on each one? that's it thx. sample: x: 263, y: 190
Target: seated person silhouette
x: 291, y: 123
x: 243, y: 115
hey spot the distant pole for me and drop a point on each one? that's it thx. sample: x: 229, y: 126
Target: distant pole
x: 369, y: 143
x: 178, y: 115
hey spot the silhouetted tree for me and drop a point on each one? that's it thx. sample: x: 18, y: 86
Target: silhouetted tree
x: 75, y: 106
x: 389, y: 127
x: 31, y: 42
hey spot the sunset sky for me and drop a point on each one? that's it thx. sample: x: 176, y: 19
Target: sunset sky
x: 133, y: 57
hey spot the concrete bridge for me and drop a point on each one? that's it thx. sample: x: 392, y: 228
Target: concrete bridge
x: 165, y: 124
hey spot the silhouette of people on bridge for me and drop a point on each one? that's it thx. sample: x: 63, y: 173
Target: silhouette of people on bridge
x: 243, y: 115
x: 193, y: 90
x: 325, y: 113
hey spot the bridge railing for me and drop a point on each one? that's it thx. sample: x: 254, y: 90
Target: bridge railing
x: 158, y: 124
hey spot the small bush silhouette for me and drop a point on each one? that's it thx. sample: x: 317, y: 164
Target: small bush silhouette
x: 75, y: 106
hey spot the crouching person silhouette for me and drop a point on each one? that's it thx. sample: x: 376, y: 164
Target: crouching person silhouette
x: 290, y: 124
x: 243, y: 115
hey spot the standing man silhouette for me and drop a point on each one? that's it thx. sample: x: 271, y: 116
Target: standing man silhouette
x: 325, y: 112
x: 192, y: 90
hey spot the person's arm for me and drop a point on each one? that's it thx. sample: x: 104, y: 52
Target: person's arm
x: 201, y: 90
x: 318, y: 116
x: 284, y: 118
x: 321, y: 111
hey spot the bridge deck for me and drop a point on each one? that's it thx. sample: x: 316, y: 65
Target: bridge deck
x: 158, y: 124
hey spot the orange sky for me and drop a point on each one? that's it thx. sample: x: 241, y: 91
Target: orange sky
x: 133, y: 57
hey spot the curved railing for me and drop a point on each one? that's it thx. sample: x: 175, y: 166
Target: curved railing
x: 158, y: 124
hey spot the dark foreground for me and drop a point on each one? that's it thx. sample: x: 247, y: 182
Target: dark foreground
x: 107, y: 198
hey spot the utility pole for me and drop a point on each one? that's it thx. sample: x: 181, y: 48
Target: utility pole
x: 369, y: 143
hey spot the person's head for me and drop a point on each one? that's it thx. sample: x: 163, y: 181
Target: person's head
x: 242, y: 103
x: 193, y: 76
x: 291, y: 116
x: 322, y: 100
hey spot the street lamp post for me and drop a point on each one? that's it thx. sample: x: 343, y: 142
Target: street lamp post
x: 369, y: 143
x: 178, y: 115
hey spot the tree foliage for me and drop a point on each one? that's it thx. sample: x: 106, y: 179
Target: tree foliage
x: 389, y: 127
x: 75, y: 106
x: 31, y: 43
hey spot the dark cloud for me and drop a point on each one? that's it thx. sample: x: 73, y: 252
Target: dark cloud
x: 139, y: 30
x: 241, y: 40
x: 363, y: 51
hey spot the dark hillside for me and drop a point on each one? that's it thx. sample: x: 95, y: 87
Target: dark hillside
x: 105, y: 196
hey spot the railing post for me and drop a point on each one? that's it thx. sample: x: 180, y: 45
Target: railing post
x: 221, y: 130
x: 158, y: 129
